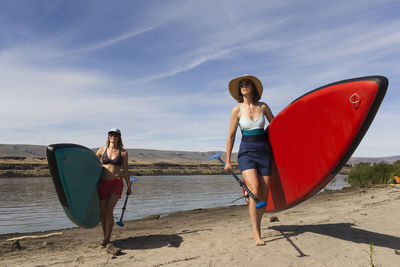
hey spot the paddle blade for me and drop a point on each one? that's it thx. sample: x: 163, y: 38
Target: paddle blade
x: 119, y: 223
x: 215, y: 156
x: 132, y: 179
x: 261, y: 204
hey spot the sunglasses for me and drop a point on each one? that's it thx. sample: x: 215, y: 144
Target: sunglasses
x: 241, y: 84
x: 115, y: 134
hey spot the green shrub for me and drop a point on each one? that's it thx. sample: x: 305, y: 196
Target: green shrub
x: 365, y: 174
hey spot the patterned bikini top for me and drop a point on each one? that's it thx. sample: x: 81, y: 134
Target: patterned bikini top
x: 106, y: 160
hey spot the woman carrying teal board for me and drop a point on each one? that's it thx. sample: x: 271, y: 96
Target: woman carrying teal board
x: 113, y: 157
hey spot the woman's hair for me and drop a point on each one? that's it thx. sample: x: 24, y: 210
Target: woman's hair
x: 119, y: 143
x: 256, y: 96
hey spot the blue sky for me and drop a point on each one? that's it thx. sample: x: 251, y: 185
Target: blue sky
x: 71, y: 70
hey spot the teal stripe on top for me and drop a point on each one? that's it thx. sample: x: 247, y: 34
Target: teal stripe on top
x: 254, y: 132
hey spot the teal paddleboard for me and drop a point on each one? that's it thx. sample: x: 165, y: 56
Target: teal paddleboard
x: 76, y: 172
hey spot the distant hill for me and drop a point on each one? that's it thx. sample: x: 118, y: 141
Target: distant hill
x: 152, y: 155
x: 144, y: 155
x: 390, y: 160
x: 28, y: 151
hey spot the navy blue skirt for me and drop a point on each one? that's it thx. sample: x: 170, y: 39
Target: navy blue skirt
x: 255, y: 153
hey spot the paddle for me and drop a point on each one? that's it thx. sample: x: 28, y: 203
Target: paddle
x: 260, y: 204
x: 120, y: 223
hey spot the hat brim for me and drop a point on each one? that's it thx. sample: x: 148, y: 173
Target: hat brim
x: 234, y: 85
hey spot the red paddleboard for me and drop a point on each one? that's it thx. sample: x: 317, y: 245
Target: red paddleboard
x: 316, y: 134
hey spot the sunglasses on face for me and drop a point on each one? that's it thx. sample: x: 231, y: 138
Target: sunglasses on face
x: 115, y: 134
x: 241, y: 84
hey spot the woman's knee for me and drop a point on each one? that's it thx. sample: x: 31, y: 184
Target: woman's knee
x: 109, y: 212
x: 112, y: 201
x: 252, y: 180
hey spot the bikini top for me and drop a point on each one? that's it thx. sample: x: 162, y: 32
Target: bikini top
x: 106, y: 160
x: 250, y: 127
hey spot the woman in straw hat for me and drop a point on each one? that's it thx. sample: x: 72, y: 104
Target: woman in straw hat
x: 254, y: 155
x: 113, y: 157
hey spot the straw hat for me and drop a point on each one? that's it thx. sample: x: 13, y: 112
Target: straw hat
x: 234, y: 85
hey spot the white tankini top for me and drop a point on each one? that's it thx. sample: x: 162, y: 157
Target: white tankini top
x: 250, y: 127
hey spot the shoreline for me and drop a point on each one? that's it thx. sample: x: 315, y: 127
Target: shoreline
x: 55, y: 218
x: 160, y: 213
x: 163, y: 215
x: 333, y: 228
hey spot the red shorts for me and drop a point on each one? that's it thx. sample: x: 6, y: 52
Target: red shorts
x: 108, y: 187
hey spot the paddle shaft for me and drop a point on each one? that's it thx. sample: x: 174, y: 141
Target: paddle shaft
x: 124, y: 208
x: 240, y: 182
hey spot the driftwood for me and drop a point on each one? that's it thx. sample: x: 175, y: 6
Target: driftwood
x: 33, y: 236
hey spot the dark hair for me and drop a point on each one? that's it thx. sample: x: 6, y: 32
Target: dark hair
x: 256, y: 96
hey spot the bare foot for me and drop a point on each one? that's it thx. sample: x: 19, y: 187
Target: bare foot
x: 104, y: 244
x: 259, y: 242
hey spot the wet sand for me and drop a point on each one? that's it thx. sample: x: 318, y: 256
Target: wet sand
x: 331, y: 229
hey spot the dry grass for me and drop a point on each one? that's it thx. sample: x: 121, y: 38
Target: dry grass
x: 37, y: 167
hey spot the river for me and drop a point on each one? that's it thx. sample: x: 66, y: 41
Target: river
x: 31, y: 204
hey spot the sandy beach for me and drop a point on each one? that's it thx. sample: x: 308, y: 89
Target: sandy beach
x: 333, y: 228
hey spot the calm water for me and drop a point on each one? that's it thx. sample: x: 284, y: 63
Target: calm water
x: 31, y: 204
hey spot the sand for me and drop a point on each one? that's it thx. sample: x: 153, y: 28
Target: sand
x: 330, y: 229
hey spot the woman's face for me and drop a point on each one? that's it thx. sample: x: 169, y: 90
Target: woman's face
x: 113, y: 137
x: 246, y: 87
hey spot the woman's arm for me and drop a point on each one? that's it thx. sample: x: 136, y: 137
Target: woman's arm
x: 126, y: 170
x: 231, y: 136
x: 267, y: 112
x: 100, y: 152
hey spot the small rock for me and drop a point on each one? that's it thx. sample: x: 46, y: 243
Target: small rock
x: 174, y: 244
x: 15, y: 246
x: 48, y: 244
x: 80, y: 260
x: 397, y: 252
x: 113, y: 250
x: 273, y: 219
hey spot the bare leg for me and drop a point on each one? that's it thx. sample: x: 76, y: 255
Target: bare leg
x: 109, y: 215
x: 264, y: 187
x: 103, y: 208
x: 254, y: 184
x: 263, y: 196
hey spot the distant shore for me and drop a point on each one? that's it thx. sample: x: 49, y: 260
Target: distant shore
x: 14, y: 167
x: 334, y: 228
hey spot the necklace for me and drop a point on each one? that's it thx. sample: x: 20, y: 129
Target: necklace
x: 251, y: 109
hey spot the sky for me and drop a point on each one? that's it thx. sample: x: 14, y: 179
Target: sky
x: 159, y: 70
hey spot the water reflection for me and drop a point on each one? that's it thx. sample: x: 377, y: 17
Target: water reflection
x: 30, y: 203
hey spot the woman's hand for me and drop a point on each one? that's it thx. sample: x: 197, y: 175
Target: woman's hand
x: 129, y: 190
x: 228, y: 167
